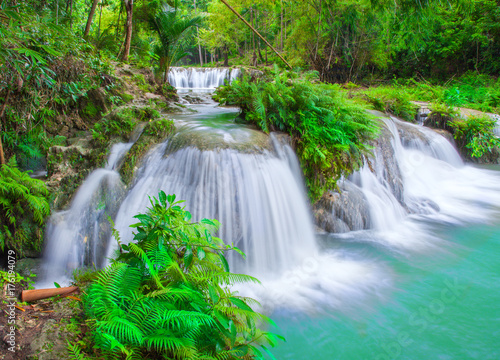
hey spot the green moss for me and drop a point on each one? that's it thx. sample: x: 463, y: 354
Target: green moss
x: 153, y: 133
x: 126, y: 97
x: 141, y: 83
x: 169, y: 92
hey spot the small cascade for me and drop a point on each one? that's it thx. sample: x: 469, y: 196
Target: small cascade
x: 201, y: 78
x: 74, y: 235
x: 258, y: 197
x: 420, y: 178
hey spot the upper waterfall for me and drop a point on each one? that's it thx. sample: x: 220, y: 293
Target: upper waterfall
x: 200, y: 78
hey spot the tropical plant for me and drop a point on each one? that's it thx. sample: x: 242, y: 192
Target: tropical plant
x: 167, y: 295
x: 171, y: 27
x: 476, y: 134
x: 331, y: 133
x: 23, y: 208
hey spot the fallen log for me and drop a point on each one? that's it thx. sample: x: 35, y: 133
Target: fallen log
x: 38, y: 294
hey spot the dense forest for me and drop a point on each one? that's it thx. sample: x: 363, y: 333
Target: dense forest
x: 78, y: 76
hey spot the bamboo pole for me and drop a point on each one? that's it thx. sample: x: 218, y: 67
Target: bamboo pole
x: 255, y: 31
x: 38, y: 294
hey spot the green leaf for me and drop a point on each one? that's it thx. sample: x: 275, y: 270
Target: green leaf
x: 57, y: 285
x: 243, y: 255
x: 232, y: 331
x: 240, y: 304
x: 207, y: 222
x: 188, y: 257
x: 213, y: 294
x: 201, y: 253
x: 170, y: 198
x: 163, y: 198
x: 224, y: 262
x: 223, y: 319
x: 187, y: 216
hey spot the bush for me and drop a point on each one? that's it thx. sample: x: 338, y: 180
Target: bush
x: 23, y: 208
x: 167, y: 294
x: 392, y: 100
x: 331, y: 133
x: 476, y: 134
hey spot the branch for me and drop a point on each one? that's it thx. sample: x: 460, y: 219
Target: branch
x: 256, y: 32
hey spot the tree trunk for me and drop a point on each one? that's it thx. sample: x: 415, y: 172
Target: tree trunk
x: 71, y: 15
x: 265, y: 33
x: 89, y: 20
x: 198, y: 37
x: 319, y: 29
x: 100, y: 18
x: 2, y: 156
x: 281, y: 27
x: 129, y: 7
x: 226, y: 56
x: 39, y: 294
x: 118, y: 22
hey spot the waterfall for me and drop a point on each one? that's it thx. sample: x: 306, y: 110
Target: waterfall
x: 74, y: 236
x: 257, y: 197
x: 420, y: 179
x: 200, y: 78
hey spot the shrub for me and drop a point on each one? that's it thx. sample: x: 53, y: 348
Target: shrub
x: 331, y: 133
x: 167, y: 294
x: 23, y: 208
x: 476, y: 134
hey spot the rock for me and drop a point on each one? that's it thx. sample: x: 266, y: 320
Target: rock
x: 342, y: 211
x: 152, y: 96
x: 29, y: 266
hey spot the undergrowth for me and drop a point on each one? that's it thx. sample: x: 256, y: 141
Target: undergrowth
x: 330, y: 132
x: 23, y: 208
x: 167, y: 295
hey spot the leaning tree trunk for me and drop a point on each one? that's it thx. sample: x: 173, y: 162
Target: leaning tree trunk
x: 255, y: 31
x: 89, y: 20
x: 129, y: 6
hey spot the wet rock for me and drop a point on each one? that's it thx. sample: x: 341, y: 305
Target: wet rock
x: 385, y: 166
x: 342, y: 211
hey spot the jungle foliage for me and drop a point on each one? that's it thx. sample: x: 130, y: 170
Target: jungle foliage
x: 167, y: 295
x: 476, y: 134
x: 330, y: 132
x: 23, y: 208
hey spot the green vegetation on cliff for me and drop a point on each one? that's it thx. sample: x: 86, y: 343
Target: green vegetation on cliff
x: 330, y: 132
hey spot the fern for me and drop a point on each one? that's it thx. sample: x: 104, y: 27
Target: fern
x: 331, y: 133
x: 75, y: 353
x: 23, y: 208
x: 167, y: 294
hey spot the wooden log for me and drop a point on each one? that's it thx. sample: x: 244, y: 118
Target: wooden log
x: 38, y: 294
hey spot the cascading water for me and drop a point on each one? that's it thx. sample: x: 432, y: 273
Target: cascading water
x: 74, y: 236
x: 200, y: 78
x: 424, y: 181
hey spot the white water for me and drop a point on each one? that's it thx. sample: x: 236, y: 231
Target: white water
x: 200, y: 78
x: 258, y: 196
x: 438, y: 187
x: 73, y: 236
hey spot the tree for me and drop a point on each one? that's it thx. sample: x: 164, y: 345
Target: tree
x: 89, y: 19
x: 129, y: 7
x: 171, y: 28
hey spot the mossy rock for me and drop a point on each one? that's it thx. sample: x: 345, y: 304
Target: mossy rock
x: 94, y: 105
x: 168, y: 91
x: 154, y: 132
